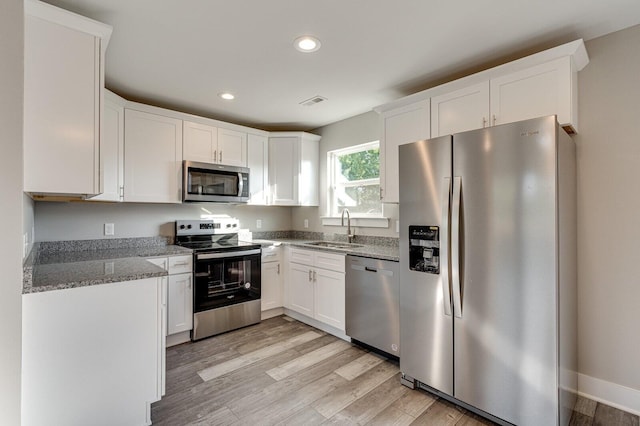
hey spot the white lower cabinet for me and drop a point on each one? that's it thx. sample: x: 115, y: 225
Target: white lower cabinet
x: 180, y: 304
x: 271, y: 278
x: 316, y: 286
x: 93, y: 355
x: 179, y: 318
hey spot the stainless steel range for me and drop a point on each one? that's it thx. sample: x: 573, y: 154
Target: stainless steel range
x: 226, y: 276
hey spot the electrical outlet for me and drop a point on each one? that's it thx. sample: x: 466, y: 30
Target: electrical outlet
x: 259, y: 223
x: 109, y: 268
x: 109, y: 229
x: 397, y: 226
x: 306, y: 223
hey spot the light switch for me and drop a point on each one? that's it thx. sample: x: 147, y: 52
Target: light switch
x: 306, y: 223
x: 259, y: 223
x: 109, y: 229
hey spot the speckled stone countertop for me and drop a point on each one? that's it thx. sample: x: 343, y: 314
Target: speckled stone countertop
x: 366, y: 246
x: 61, y: 265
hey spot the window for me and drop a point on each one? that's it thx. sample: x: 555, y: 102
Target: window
x: 354, y: 180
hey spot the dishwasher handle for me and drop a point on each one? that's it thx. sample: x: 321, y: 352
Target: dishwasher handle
x: 370, y: 269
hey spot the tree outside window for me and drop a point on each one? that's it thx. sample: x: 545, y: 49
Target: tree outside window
x: 354, y: 180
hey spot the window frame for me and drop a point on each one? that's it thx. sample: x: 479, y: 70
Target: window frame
x: 332, y: 166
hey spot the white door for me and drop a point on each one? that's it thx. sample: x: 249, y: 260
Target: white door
x: 179, y: 304
x: 200, y: 141
x: 534, y: 92
x: 153, y: 158
x: 301, y: 289
x: 232, y: 148
x: 460, y: 110
x: 271, y: 294
x: 283, y: 170
x: 258, y: 163
x: 401, y: 126
x: 330, y: 298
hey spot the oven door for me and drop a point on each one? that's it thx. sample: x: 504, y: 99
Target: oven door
x: 223, y: 279
x: 215, y: 182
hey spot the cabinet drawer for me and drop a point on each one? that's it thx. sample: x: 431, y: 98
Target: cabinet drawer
x: 304, y: 257
x: 333, y: 262
x: 180, y: 264
x: 271, y: 254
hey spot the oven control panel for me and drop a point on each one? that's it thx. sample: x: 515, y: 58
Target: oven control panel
x: 222, y: 225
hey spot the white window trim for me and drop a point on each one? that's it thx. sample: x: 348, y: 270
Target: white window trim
x: 358, y: 220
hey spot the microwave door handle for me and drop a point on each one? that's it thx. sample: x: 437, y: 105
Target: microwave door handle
x: 240, y: 184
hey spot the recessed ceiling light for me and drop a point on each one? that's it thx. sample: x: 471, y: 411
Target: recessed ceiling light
x: 227, y: 96
x: 307, y: 44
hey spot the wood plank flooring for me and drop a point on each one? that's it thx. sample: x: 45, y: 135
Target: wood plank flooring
x: 285, y: 372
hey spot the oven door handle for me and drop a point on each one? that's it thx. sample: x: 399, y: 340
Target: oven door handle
x: 205, y: 256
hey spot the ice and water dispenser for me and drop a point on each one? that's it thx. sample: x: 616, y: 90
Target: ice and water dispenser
x: 424, y: 249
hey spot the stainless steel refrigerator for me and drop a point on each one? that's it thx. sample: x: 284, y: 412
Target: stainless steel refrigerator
x: 488, y: 270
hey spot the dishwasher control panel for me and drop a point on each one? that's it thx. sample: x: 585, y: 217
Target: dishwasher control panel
x: 424, y: 249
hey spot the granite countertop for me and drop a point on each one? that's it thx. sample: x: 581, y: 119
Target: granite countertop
x: 375, y: 251
x: 46, y: 269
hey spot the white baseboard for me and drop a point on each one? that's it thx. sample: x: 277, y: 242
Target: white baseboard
x: 178, y: 338
x: 271, y: 313
x: 615, y: 395
x: 317, y: 324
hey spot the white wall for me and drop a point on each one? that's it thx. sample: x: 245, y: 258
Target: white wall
x: 356, y: 130
x: 85, y: 220
x: 608, y: 209
x: 11, y: 89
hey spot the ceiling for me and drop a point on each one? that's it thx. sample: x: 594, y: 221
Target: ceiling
x: 181, y: 54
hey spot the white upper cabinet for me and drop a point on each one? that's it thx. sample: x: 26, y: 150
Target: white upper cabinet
x: 153, y: 158
x: 258, y: 163
x: 112, y: 148
x: 293, y: 168
x: 545, y: 89
x: 460, y: 110
x: 211, y: 144
x: 64, y: 76
x: 400, y: 126
x: 542, y: 84
x: 232, y: 147
x: 200, y: 142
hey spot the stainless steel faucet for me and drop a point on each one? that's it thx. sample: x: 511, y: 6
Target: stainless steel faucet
x: 349, y: 234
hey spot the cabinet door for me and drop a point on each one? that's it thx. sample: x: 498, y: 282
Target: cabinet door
x: 61, y: 109
x: 258, y: 163
x: 301, y: 295
x: 461, y: 110
x: 232, y: 148
x: 271, y: 295
x: 329, y: 297
x: 200, y: 142
x: 112, y: 152
x: 308, y: 180
x: 400, y: 126
x: 534, y: 92
x: 283, y: 170
x: 153, y: 158
x: 179, y: 304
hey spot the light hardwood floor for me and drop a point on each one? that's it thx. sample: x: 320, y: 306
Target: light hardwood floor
x: 282, y: 371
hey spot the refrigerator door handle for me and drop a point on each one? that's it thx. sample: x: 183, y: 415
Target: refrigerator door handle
x: 455, y: 246
x: 444, y: 246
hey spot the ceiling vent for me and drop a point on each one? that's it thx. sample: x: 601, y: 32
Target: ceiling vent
x: 313, y: 101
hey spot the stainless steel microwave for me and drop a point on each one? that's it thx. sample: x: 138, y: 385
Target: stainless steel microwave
x: 214, y: 182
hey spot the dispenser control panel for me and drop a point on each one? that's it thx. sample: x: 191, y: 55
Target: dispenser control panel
x: 424, y: 249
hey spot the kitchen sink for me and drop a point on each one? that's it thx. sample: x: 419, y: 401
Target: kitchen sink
x: 334, y: 244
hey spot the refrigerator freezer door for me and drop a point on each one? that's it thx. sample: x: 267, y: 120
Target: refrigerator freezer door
x: 426, y: 329
x: 505, y: 344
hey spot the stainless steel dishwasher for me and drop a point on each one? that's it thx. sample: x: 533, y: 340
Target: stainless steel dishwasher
x: 373, y: 303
